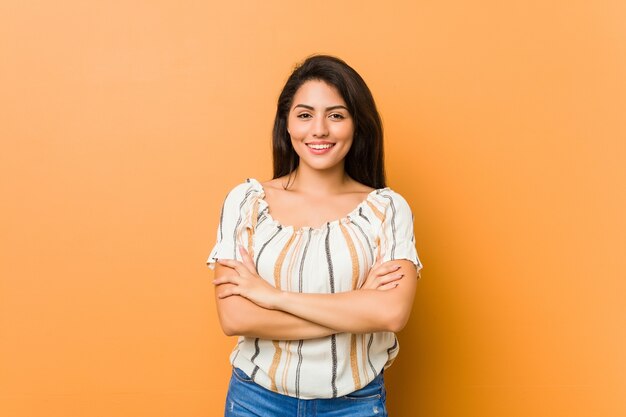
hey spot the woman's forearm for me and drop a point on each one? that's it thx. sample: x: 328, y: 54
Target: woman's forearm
x: 358, y: 311
x: 241, y: 317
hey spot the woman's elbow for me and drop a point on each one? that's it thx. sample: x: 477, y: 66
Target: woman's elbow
x: 230, y: 318
x: 229, y: 328
x: 396, y: 320
x: 397, y: 325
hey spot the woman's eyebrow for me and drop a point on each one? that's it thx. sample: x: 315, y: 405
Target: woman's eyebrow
x: 339, y: 106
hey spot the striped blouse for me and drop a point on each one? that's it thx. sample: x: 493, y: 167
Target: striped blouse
x: 332, y: 258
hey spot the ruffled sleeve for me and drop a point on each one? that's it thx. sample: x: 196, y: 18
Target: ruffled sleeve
x: 232, y: 229
x: 396, y: 238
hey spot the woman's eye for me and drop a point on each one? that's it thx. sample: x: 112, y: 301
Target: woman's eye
x: 337, y: 116
x: 304, y: 116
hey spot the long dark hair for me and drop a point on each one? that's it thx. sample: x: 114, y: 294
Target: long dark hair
x: 364, y: 162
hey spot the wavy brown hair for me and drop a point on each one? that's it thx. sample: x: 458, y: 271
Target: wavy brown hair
x: 364, y: 162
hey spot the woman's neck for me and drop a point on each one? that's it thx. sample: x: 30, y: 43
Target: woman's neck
x: 318, y: 182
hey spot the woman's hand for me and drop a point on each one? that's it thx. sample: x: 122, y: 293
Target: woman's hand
x: 382, y: 277
x: 247, y: 282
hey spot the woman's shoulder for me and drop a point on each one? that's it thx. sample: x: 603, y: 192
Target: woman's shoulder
x: 274, y: 184
x: 391, y: 194
x: 387, y: 201
x: 243, y: 190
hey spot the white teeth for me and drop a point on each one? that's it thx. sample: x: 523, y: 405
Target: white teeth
x: 318, y: 147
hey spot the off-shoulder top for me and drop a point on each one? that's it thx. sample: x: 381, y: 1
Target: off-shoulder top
x: 332, y: 258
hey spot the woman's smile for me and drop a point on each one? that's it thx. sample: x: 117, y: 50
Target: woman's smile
x: 320, y: 148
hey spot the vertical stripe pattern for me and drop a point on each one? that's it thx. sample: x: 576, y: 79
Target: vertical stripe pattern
x: 354, y: 260
x: 333, y: 338
x: 301, y: 342
x: 392, y: 221
x: 277, y: 283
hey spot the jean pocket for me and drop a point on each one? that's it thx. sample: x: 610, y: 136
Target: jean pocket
x: 373, y: 391
x: 358, y: 397
x: 241, y: 375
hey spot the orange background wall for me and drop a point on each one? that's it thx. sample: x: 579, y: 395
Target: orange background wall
x: 124, y: 123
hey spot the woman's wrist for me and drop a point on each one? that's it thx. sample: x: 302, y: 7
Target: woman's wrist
x: 279, y: 300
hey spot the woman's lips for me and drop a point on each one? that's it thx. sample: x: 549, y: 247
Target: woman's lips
x: 320, y: 149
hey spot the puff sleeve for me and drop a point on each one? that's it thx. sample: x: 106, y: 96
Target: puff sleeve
x: 396, y: 237
x: 232, y: 225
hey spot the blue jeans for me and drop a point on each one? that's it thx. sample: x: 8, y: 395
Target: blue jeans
x: 246, y: 398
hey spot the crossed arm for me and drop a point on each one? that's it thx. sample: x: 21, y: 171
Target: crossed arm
x: 249, y: 306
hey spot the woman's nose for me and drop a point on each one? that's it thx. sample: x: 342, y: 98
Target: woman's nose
x: 320, y: 129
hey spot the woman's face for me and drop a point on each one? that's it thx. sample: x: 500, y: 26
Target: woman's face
x: 320, y: 126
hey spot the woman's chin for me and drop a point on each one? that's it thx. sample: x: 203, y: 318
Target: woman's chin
x: 320, y: 165
x: 321, y: 162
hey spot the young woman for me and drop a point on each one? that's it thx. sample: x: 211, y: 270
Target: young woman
x: 317, y: 268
